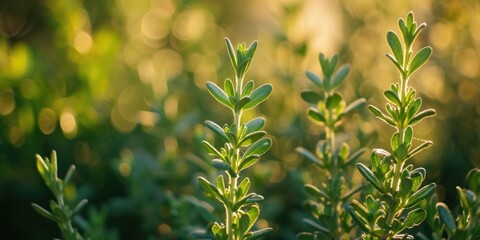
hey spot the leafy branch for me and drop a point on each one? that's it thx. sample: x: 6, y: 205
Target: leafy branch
x: 59, y: 212
x: 244, y: 143
x: 328, y: 109
x: 393, y: 208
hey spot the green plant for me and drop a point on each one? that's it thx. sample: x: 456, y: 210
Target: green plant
x: 467, y: 224
x: 393, y: 208
x: 331, y: 198
x: 244, y: 143
x: 59, y: 212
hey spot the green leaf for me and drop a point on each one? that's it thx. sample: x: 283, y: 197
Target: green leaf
x: 305, y: 236
x: 209, y: 189
x: 42, y: 167
x: 221, y: 184
x: 339, y: 76
x: 69, y: 174
x: 229, y: 89
x: 405, y: 187
x: 219, y: 94
x: 400, y: 153
x: 219, y: 231
x: 314, y: 78
x: 415, y: 217
x: 447, y: 218
x: 408, y: 136
x: 247, y: 162
x: 247, y: 90
x: 417, y: 176
x: 381, y: 116
x: 355, y: 104
x: 44, y: 212
x: 316, y: 115
x: 420, y: 58
x: 211, y: 150
x: 243, y: 188
x: 315, y: 192
x: 221, y: 165
x: 316, y: 225
x: 403, y: 28
x: 244, y: 223
x: 360, y: 221
x: 258, y: 95
x: 395, y: 46
x: 231, y: 53
x: 392, y: 97
x: 253, y: 213
x: 241, y: 104
x: 258, y: 234
x: 254, y: 198
x: 311, y: 96
x: 344, y: 152
x: 217, y: 130
x: 422, y: 146
x: 399, y: 67
x: 255, y: 124
x: 309, y: 156
x: 421, y: 194
x: 79, y: 207
x: 252, y: 137
x: 258, y: 148
x: 413, y: 108
x: 370, y: 177
x: 325, y: 64
x: 333, y: 101
x: 421, y: 115
x: 395, y: 141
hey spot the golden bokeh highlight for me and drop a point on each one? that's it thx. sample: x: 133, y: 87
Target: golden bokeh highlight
x: 68, y: 123
x: 47, y: 121
x: 7, y: 101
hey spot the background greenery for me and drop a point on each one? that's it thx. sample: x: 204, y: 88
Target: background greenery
x: 118, y: 89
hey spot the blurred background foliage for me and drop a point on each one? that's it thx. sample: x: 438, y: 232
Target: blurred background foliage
x: 117, y: 87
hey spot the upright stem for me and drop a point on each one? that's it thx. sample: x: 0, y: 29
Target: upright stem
x: 233, y: 180
x: 229, y: 210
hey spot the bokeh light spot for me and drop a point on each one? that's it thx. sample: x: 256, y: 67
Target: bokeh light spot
x: 440, y: 35
x: 156, y: 24
x: 7, y: 101
x: 468, y: 91
x: 47, y: 121
x: 68, y: 124
x: 189, y: 25
x: 83, y: 42
x: 16, y: 136
x: 466, y: 62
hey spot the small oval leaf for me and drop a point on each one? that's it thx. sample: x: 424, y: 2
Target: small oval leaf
x: 420, y: 58
x: 258, y: 95
x: 219, y: 94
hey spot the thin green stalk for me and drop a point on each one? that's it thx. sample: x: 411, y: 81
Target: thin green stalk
x: 244, y: 143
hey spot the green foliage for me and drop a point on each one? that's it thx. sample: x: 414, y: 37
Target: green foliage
x: 330, y: 199
x: 467, y: 223
x: 393, y: 208
x: 59, y: 212
x: 244, y: 143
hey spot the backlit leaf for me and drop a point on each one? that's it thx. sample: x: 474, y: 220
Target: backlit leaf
x: 258, y: 95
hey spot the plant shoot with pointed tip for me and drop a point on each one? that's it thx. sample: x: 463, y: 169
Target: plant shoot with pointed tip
x: 243, y: 144
x: 398, y: 185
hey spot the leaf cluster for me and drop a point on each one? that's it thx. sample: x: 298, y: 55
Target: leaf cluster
x: 328, y: 200
x: 393, y: 208
x: 243, y: 144
x: 467, y: 223
x: 59, y: 212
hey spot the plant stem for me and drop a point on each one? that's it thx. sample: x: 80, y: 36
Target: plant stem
x: 229, y: 210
